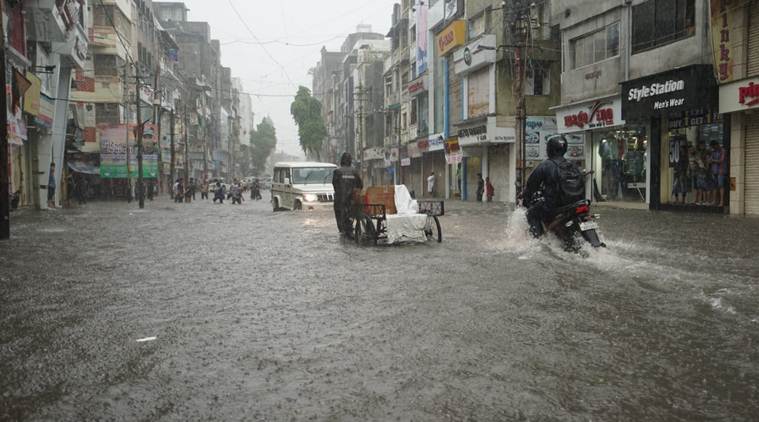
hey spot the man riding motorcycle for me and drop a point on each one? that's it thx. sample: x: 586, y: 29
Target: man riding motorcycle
x: 549, y: 179
x: 345, y: 180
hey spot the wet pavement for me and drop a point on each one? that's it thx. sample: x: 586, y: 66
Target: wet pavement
x: 270, y: 316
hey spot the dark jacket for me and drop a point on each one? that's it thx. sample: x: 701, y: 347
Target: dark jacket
x: 345, y: 180
x: 545, y: 178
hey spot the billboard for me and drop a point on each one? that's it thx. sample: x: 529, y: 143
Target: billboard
x: 421, y: 38
x: 114, y: 152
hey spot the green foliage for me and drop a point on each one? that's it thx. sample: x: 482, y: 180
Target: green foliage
x: 306, y: 111
x: 263, y: 141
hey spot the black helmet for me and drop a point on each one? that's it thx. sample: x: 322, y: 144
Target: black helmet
x: 346, y: 160
x: 557, y: 146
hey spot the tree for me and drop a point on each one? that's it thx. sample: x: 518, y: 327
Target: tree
x: 307, y: 113
x: 263, y: 141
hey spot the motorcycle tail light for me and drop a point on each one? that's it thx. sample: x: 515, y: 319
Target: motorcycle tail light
x: 582, y: 209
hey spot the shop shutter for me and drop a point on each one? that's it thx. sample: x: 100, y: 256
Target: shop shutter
x: 753, y: 39
x: 752, y: 165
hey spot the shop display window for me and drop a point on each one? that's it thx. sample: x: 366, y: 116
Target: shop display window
x: 620, y: 165
x: 698, y: 170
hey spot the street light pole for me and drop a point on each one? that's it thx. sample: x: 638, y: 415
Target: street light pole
x: 186, y: 149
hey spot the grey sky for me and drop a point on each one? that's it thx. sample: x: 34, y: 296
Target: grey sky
x: 303, y: 22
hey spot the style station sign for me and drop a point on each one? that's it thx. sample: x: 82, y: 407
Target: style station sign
x: 666, y: 93
x: 592, y: 115
x: 739, y: 96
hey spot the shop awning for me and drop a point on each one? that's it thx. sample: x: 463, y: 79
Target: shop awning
x: 84, y: 168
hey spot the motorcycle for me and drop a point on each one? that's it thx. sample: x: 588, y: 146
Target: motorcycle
x: 572, y: 222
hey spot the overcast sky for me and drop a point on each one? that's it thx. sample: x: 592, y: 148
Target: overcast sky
x: 305, y: 24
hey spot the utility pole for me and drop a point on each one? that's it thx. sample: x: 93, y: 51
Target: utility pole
x: 5, y: 222
x: 157, y: 125
x: 173, y: 165
x: 186, y: 149
x: 140, y: 181
x: 126, y: 124
x: 516, y: 26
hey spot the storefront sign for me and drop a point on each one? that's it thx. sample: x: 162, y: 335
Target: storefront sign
x: 486, y: 134
x: 422, y: 146
x: 726, y: 21
x: 738, y: 96
x: 588, y: 116
x: 374, y: 153
x: 476, y: 55
x: 452, y: 36
x: 417, y: 86
x: 436, y: 143
x: 46, y: 111
x: 539, y: 129
x: 670, y: 92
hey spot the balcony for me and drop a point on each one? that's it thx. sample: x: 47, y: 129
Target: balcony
x: 46, y: 23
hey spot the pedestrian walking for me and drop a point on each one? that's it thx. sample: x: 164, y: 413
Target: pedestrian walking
x: 489, y: 189
x: 236, y: 191
x: 193, y: 188
x: 431, y: 185
x: 204, y: 189
x: 178, y: 191
x: 218, y: 193
x: 480, y: 187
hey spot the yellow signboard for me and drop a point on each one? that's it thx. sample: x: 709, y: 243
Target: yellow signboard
x: 454, y: 35
x: 32, y: 95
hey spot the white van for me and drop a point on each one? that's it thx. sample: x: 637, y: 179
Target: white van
x: 299, y: 186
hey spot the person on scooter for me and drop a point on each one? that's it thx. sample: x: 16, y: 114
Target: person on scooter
x: 547, y: 179
x: 345, y: 180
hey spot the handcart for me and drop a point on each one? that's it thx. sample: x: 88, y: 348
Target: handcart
x: 378, y: 218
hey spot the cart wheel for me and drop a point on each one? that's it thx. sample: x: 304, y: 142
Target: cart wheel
x: 364, y: 233
x: 432, y: 229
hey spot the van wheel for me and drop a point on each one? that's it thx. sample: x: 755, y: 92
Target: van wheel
x: 275, y: 204
x: 297, y: 206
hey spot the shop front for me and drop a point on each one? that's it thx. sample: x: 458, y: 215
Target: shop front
x: 688, y: 142
x: 615, y: 151
x: 434, y: 161
x: 487, y: 150
x: 740, y: 101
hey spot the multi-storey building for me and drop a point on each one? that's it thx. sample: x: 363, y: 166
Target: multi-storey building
x: 199, y: 65
x: 46, y: 43
x: 735, y: 47
x: 638, y: 85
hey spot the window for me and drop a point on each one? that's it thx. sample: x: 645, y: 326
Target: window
x: 413, y: 113
x: 538, y: 80
x: 478, y: 93
x: 596, y: 46
x: 477, y: 25
x: 660, y: 22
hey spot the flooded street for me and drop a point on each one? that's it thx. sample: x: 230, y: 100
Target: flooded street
x: 271, y: 316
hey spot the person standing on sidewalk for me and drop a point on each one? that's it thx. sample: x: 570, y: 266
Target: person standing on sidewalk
x: 431, y: 185
x: 489, y: 189
x: 51, y: 187
x: 480, y: 187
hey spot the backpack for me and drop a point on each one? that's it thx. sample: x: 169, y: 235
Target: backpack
x: 571, y: 185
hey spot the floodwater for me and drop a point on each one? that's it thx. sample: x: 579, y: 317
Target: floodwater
x: 245, y: 314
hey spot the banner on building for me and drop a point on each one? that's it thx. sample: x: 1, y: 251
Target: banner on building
x: 421, y: 38
x: 117, y: 146
x: 539, y: 129
x: 32, y: 96
x: 726, y: 27
x: 453, y: 153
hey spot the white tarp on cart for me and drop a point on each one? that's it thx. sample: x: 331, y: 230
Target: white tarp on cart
x: 408, y: 225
